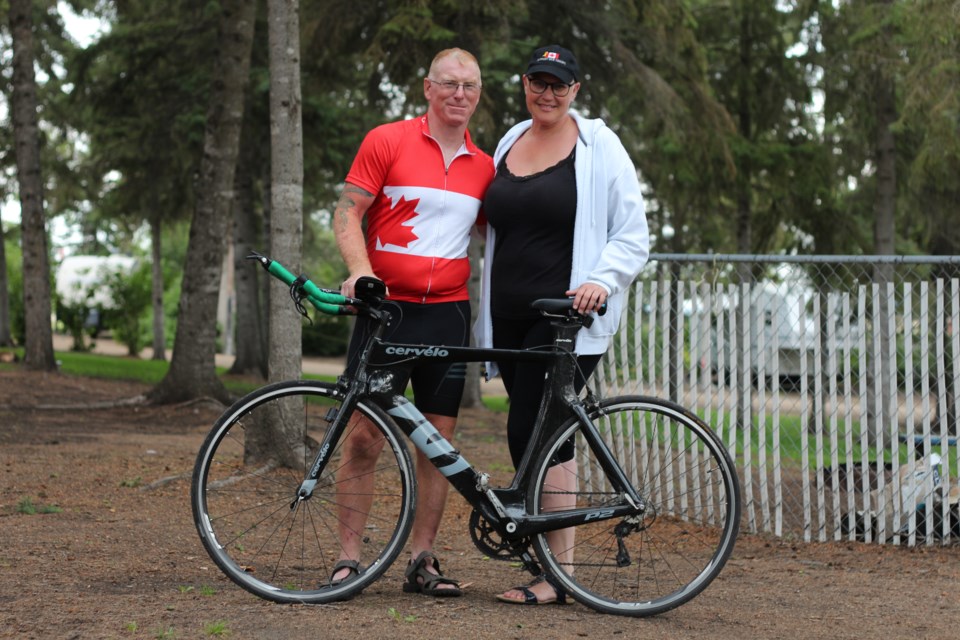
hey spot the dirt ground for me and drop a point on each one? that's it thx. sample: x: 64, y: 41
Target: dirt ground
x: 111, y: 551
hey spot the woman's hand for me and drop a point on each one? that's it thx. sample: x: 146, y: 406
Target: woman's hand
x: 588, y: 297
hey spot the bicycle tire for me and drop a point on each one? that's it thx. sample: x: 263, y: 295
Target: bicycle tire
x: 247, y: 513
x: 680, y: 544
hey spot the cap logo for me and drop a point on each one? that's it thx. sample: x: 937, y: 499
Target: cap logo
x: 549, y: 55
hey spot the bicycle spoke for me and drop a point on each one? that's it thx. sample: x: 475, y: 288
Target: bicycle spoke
x: 278, y: 544
x: 663, y: 556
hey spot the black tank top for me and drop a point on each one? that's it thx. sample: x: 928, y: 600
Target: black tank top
x: 534, y: 218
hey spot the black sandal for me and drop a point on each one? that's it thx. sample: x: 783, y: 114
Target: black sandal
x: 419, y: 580
x: 354, y: 570
x: 530, y: 598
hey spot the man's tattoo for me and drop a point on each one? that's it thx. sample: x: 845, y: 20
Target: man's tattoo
x: 347, y: 202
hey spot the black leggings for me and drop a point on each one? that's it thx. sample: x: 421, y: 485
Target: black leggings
x: 524, y: 380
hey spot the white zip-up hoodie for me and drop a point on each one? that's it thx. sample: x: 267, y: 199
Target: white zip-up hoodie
x: 611, y: 242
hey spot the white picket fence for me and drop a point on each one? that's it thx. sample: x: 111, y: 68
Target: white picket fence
x: 838, y: 401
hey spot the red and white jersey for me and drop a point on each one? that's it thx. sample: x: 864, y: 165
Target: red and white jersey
x: 418, y: 226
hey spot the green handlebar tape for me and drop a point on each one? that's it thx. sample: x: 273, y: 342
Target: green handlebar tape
x: 332, y: 309
x: 314, y: 293
x: 278, y: 271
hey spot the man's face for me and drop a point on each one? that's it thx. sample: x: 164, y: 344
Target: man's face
x: 453, y: 91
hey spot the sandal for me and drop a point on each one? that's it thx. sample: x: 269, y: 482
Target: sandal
x: 354, y: 571
x: 530, y: 598
x: 419, y: 580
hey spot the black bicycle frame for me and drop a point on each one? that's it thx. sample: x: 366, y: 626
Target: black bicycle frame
x: 383, y: 380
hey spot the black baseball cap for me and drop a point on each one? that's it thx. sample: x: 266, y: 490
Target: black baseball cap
x: 556, y: 61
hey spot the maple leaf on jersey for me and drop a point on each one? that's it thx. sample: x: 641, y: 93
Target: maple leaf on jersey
x: 395, y: 232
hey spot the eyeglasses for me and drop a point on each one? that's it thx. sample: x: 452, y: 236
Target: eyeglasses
x: 559, y: 89
x: 450, y: 87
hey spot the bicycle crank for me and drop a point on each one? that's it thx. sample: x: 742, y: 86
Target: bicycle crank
x: 488, y: 541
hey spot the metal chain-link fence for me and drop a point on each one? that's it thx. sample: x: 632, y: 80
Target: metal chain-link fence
x: 833, y: 380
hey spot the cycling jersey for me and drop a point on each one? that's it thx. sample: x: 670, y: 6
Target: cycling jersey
x: 418, y: 226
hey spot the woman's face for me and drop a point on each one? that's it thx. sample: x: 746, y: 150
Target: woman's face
x: 547, y: 107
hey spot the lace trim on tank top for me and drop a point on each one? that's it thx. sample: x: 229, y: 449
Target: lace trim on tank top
x: 508, y: 174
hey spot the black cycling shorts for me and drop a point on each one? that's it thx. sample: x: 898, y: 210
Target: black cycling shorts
x: 437, y: 386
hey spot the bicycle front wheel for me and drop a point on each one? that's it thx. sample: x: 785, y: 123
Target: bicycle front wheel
x: 247, y: 502
x: 668, y: 553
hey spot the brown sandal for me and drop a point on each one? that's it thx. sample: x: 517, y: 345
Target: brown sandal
x: 419, y: 580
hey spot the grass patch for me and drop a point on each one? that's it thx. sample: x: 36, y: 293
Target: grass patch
x: 217, y: 628
x: 399, y: 617
x: 151, y: 372
x: 27, y: 507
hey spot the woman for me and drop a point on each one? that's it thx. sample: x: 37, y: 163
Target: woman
x: 565, y: 218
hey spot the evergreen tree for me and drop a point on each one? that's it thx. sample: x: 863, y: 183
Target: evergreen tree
x: 192, y: 370
x: 38, y: 348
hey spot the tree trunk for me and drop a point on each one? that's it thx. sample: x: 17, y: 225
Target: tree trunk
x: 884, y: 207
x: 285, y: 353
x: 159, y: 337
x: 192, y: 372
x: 38, y: 346
x: 250, y: 358
x: 471, y: 390
x: 6, y: 335
x: 886, y: 159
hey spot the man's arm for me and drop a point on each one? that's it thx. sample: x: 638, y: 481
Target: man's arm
x: 348, y: 230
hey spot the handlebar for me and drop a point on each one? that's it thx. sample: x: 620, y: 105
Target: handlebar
x: 326, y: 300
x: 371, y: 291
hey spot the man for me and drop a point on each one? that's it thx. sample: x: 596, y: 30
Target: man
x: 420, y: 184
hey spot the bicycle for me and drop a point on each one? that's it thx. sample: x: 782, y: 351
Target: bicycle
x: 655, y: 506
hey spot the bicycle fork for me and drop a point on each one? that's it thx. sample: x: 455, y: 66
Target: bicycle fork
x: 338, y: 417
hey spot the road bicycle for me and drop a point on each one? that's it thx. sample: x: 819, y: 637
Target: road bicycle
x: 654, y: 507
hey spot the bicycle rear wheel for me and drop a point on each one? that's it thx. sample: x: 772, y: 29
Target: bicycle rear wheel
x: 653, y: 562
x: 246, y: 506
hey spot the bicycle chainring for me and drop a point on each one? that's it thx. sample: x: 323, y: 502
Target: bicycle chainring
x: 488, y: 541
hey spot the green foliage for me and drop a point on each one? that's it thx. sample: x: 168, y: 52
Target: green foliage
x: 129, y: 316
x: 15, y: 286
x: 73, y: 319
x: 326, y: 336
x: 713, y: 100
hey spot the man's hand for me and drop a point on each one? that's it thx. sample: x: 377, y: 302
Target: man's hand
x: 349, y: 286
